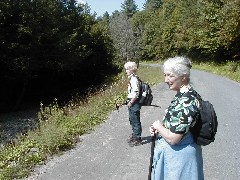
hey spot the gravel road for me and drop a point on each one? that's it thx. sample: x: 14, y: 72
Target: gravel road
x: 105, y: 155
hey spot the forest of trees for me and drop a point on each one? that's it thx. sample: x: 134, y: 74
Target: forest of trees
x: 201, y: 29
x: 49, y: 47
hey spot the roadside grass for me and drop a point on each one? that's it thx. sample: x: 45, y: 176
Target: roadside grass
x: 229, y: 69
x: 60, y: 128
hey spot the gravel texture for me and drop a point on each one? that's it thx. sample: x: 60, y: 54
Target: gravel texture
x: 16, y: 123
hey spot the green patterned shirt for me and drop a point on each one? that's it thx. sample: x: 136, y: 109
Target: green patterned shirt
x: 182, y: 111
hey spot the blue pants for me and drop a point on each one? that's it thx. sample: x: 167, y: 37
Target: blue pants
x: 134, y: 118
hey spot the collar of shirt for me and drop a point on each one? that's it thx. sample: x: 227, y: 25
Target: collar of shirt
x: 185, y: 88
x: 131, y: 75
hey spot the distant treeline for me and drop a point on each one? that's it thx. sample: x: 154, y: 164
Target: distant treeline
x: 200, y: 29
x: 203, y: 30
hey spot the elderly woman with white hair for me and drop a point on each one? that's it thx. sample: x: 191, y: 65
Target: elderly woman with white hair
x: 176, y: 155
x: 133, y: 104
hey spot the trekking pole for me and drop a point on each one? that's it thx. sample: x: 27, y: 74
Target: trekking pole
x: 153, y: 138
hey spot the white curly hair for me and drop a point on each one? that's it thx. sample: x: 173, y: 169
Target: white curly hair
x: 130, y: 66
x: 178, y: 65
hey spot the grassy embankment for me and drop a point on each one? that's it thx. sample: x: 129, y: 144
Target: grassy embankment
x: 60, y: 128
x: 229, y: 70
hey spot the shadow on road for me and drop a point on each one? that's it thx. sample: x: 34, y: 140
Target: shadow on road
x: 155, y: 105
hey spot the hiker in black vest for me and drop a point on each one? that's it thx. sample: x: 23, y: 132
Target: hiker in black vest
x: 133, y: 104
x: 176, y: 154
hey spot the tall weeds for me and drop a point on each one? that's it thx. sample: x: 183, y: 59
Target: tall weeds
x: 60, y: 128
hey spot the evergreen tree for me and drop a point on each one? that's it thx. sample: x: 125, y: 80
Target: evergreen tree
x: 153, y: 4
x: 105, y: 16
x: 129, y: 8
